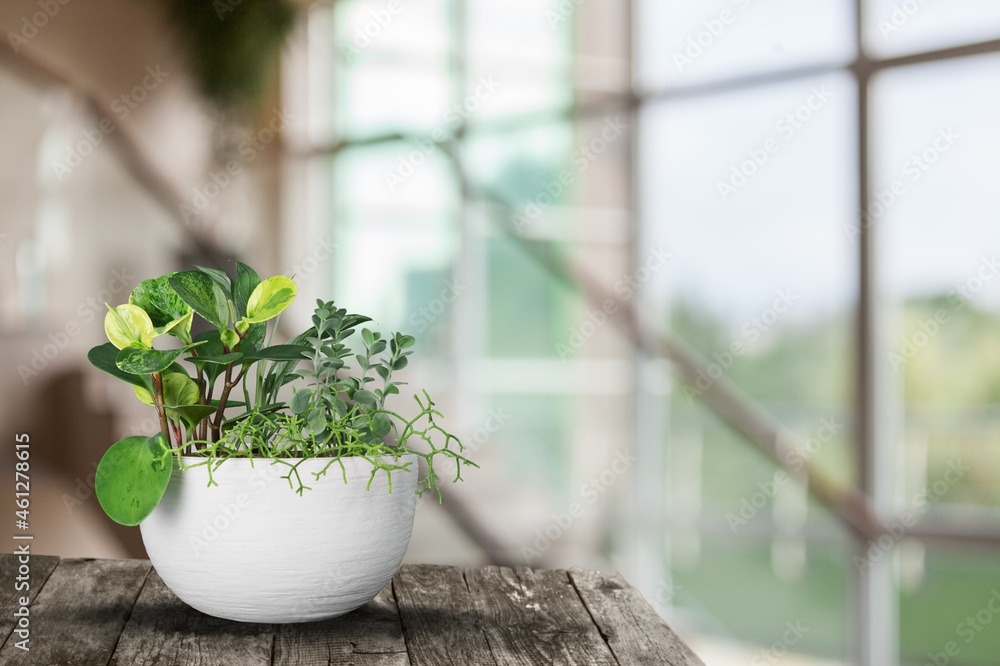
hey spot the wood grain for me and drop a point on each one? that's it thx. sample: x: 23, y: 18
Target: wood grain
x: 79, y: 613
x: 439, y: 621
x: 632, y: 629
x: 535, y: 617
x: 119, y: 613
x: 164, y: 631
x: 40, y: 568
x: 370, y: 636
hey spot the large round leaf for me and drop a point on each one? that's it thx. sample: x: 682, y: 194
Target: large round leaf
x: 270, y: 298
x: 132, y: 477
x: 129, y: 326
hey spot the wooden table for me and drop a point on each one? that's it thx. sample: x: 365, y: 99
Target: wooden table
x: 119, y: 613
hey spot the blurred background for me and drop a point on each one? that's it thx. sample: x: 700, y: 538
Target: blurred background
x: 707, y: 287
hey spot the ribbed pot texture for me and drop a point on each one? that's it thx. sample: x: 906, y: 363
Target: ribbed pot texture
x: 252, y: 549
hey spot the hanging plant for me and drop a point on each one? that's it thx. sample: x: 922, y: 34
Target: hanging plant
x: 232, y: 46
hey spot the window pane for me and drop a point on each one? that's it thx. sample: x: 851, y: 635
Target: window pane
x: 688, y: 41
x: 894, y: 27
x: 934, y: 216
x: 750, y: 192
x: 741, y: 612
x: 949, y: 607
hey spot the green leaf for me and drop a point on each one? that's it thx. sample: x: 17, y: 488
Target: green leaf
x: 246, y: 281
x: 221, y: 278
x: 129, y: 325
x: 229, y: 338
x: 103, y: 358
x: 367, y: 336
x: 193, y: 414
x: 165, y: 308
x: 254, y: 338
x: 270, y: 298
x: 178, y: 390
x: 223, y: 359
x: 132, y: 477
x: 399, y: 363
x: 145, y: 361
x: 300, y: 401
x: 405, y: 341
x: 204, y: 295
x: 365, y: 397
x: 381, y: 425
x: 281, y: 353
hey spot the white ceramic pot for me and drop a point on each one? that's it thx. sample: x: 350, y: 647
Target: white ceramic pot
x: 252, y: 549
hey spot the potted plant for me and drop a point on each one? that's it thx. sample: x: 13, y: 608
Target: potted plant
x: 280, y: 488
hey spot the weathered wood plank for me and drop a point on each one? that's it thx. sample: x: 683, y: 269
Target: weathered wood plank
x: 535, y: 617
x: 79, y: 613
x: 439, y: 622
x: 163, y: 631
x: 633, y: 630
x: 370, y: 636
x: 40, y: 567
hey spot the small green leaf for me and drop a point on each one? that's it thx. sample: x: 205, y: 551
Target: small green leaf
x: 132, y: 477
x: 229, y: 338
x: 367, y: 336
x: 406, y: 341
x: 381, y: 425
x: 145, y: 361
x: 204, y: 295
x: 270, y: 298
x: 365, y: 397
x: 246, y: 281
x: 193, y: 414
x: 129, y: 325
x: 300, y: 401
x: 399, y: 363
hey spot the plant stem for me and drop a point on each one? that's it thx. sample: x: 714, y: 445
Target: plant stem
x: 160, y: 409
